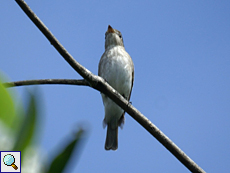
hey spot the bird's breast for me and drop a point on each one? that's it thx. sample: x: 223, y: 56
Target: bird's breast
x: 116, y: 68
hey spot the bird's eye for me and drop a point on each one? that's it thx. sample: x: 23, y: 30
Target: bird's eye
x: 120, y: 36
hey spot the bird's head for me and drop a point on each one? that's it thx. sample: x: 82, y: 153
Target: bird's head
x: 113, y: 37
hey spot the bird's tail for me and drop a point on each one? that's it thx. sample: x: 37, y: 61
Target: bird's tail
x: 111, y: 141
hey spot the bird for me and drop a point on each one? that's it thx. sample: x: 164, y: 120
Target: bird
x: 117, y: 69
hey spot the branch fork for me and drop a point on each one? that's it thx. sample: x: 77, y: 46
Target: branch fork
x: 99, y: 84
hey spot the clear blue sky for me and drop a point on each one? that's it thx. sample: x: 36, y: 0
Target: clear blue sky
x: 181, y: 53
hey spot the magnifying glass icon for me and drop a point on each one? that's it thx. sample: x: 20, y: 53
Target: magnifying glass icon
x: 9, y: 160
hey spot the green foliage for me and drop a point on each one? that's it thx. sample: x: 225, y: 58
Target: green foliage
x: 7, y: 110
x: 61, y: 160
x: 26, y: 133
x: 24, y: 126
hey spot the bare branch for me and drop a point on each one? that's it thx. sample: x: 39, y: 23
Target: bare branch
x: 47, y: 81
x: 99, y: 84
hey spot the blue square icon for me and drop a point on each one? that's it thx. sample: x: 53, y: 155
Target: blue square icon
x: 10, y: 161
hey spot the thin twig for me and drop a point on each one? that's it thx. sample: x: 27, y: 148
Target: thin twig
x: 47, y: 81
x: 99, y: 84
x: 86, y: 74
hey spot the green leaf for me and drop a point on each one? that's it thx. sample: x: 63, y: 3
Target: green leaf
x: 7, y: 110
x: 60, y: 162
x: 26, y: 133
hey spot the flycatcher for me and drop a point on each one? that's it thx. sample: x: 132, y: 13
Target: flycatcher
x: 116, y: 67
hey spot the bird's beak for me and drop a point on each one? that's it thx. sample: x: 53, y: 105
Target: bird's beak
x: 110, y: 29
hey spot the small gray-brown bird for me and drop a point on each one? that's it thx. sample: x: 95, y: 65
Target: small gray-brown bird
x: 116, y: 67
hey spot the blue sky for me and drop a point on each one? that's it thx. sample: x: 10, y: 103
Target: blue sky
x: 181, y: 53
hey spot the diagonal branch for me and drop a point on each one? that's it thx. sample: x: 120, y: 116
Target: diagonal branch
x: 99, y: 84
x: 86, y: 74
x: 47, y: 81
